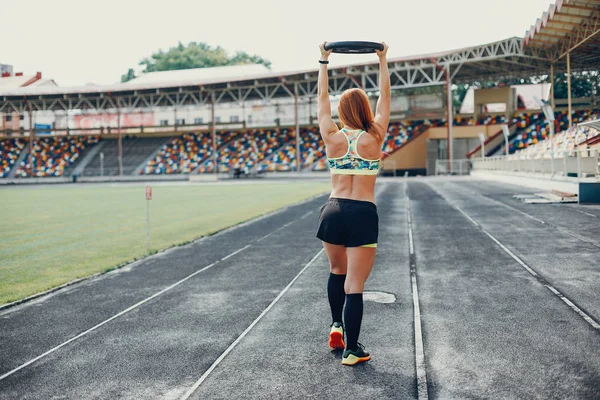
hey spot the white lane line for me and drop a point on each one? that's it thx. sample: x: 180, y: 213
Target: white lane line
x: 540, y: 279
x: 106, y: 321
x: 235, y: 252
x: 510, y: 253
x: 467, y: 216
x: 284, y: 226
x: 559, y: 228
x: 586, y: 213
x: 502, y: 204
x: 411, y: 244
x: 550, y: 224
x: 419, y: 347
x: 574, y: 307
x: 248, y: 329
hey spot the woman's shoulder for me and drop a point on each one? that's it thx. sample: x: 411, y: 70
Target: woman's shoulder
x: 377, y: 132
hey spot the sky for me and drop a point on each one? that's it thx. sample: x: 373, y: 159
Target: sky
x: 89, y: 41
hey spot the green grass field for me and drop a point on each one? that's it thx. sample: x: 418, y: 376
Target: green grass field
x: 52, y: 235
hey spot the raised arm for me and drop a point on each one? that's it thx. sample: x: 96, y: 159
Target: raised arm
x: 326, y: 124
x: 382, y: 112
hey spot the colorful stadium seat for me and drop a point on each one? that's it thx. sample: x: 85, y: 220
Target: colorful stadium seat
x: 246, y: 149
x: 181, y: 155
x: 52, y: 155
x: 10, y: 149
x: 532, y: 129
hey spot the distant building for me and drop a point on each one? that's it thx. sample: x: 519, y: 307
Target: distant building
x: 11, y: 80
x: 6, y: 69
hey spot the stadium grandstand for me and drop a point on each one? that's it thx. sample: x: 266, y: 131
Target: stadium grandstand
x: 218, y: 120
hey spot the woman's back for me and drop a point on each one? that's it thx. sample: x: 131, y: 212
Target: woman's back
x: 363, y: 150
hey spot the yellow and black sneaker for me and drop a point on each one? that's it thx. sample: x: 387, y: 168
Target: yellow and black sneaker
x: 353, y: 357
x: 336, y: 336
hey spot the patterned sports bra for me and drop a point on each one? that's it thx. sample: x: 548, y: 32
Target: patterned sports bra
x: 352, y: 163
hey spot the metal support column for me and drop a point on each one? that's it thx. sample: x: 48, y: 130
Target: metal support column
x: 244, y: 124
x: 31, y: 138
x: 569, y: 88
x: 297, y: 124
x: 213, y: 132
x: 552, y: 85
x: 175, y: 117
x: 120, y: 140
x: 551, y: 124
x: 449, y: 118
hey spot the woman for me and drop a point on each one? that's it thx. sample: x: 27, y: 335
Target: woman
x: 348, y: 223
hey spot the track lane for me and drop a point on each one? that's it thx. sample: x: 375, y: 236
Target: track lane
x: 563, y: 217
x: 286, y: 356
x: 566, y: 262
x: 490, y: 329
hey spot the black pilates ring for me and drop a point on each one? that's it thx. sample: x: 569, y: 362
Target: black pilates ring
x: 353, y: 47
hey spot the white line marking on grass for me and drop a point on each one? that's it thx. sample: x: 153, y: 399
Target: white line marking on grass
x: 239, y: 338
x: 419, y: 346
x: 136, y: 305
x: 540, y: 278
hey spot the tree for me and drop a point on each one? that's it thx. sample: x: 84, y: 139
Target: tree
x: 583, y: 84
x: 195, y: 55
x: 128, y: 76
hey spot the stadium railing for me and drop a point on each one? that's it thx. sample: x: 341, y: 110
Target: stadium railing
x: 454, y: 167
x: 577, y: 163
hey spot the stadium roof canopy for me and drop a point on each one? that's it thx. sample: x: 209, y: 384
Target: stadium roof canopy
x: 568, y: 27
x: 230, y: 73
x: 592, y: 124
x: 502, y: 59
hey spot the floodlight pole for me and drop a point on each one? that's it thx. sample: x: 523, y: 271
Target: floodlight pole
x: 31, y: 137
x: 120, y: 140
x: 551, y: 123
x: 213, y: 131
x: 569, y: 89
x: 450, y: 119
x: 448, y: 110
x: 297, y: 122
x: 552, y: 85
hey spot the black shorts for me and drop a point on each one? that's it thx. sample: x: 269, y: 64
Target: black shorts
x: 351, y: 223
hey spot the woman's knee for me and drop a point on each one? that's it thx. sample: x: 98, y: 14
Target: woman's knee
x: 338, y: 268
x: 353, y: 286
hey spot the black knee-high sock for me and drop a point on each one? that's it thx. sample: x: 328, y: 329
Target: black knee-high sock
x: 352, y: 318
x: 336, y: 295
